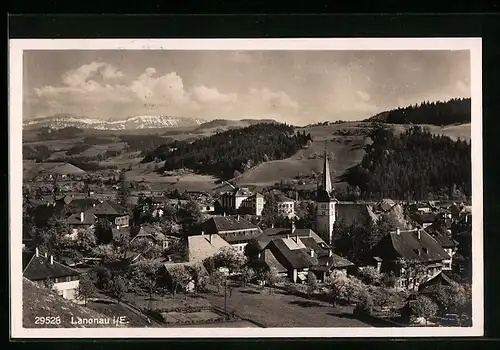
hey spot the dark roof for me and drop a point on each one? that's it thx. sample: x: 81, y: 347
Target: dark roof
x: 425, y: 217
x: 444, y: 240
x: 240, y: 237
x: 40, y: 268
x: 109, y: 208
x: 218, y: 224
x: 296, y: 258
x: 440, y: 279
x: 272, y: 262
x: 243, y: 192
x: 88, y: 219
x: 276, y: 233
x: 80, y: 204
x: 407, y: 245
x: 335, y: 261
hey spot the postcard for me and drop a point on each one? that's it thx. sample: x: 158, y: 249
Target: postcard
x: 246, y: 188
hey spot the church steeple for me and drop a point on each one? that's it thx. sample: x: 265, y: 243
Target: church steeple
x: 326, y: 182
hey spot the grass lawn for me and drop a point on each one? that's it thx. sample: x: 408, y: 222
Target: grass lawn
x: 283, y: 310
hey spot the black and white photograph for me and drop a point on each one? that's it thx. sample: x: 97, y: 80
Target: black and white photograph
x: 246, y: 188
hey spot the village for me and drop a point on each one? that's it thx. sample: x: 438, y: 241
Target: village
x: 246, y: 257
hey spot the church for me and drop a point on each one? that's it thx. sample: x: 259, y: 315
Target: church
x: 325, y: 203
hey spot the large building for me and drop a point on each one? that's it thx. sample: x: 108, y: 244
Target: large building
x: 325, y: 204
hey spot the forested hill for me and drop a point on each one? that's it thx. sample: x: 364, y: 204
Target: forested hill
x: 413, y: 165
x: 228, y: 153
x: 454, y: 111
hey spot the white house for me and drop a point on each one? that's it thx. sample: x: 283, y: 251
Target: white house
x: 45, y: 271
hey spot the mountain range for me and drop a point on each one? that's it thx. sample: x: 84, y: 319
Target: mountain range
x: 61, y: 121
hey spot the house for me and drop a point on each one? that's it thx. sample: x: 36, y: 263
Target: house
x: 232, y: 200
x: 80, y: 221
x: 193, y: 269
x: 449, y: 245
x: 113, y: 212
x: 288, y: 247
x: 415, y: 246
x: 425, y: 219
x: 44, y: 270
x: 253, y: 205
x: 204, y: 246
x: 233, y: 229
x: 286, y: 206
x: 153, y: 233
x: 441, y: 279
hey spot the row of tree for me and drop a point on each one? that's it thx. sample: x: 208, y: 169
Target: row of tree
x: 414, y: 165
x: 234, y: 150
x: 457, y: 110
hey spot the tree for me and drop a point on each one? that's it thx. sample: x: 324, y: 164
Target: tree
x: 271, y: 278
x: 178, y: 251
x: 424, y: 307
x: 229, y: 258
x: 147, y: 248
x: 312, y: 283
x: 338, y: 288
x: 124, y: 191
x: 252, y: 249
x: 412, y: 272
x: 103, y: 231
x: 388, y: 280
x: 103, y: 276
x: 247, y: 274
x: 217, y: 278
x: 452, y: 298
x: 180, y: 278
x: 369, y: 275
x: 144, y: 275
x: 86, y: 240
x: 86, y: 288
x: 191, y: 217
x: 117, y: 287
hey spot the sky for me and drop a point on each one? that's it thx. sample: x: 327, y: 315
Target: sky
x: 298, y: 87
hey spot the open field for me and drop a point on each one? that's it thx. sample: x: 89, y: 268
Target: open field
x: 347, y: 152
x: 462, y: 131
x: 284, y: 310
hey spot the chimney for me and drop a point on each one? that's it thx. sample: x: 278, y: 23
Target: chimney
x: 272, y: 225
x: 293, y: 227
x: 45, y: 254
x: 398, y: 231
x: 312, y: 253
x: 51, y: 260
x: 238, y: 218
x: 36, y: 252
x: 224, y: 214
x: 418, y: 234
x: 202, y: 232
x: 330, y: 253
x: 82, y: 216
x: 287, y: 236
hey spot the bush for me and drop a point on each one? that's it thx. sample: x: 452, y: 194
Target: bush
x: 364, y: 305
x: 369, y: 275
x: 388, y: 280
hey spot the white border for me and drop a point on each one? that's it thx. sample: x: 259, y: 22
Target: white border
x: 16, y: 48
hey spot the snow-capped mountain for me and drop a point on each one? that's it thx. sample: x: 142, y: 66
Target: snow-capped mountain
x: 129, y: 123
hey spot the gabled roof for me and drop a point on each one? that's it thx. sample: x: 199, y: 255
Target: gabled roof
x: 243, y: 192
x: 80, y: 204
x: 296, y: 258
x: 201, y: 247
x: 326, y: 262
x: 407, y: 245
x: 109, y: 208
x: 444, y: 240
x: 272, y: 262
x: 88, y: 219
x: 280, y: 197
x: 40, y: 268
x: 218, y: 224
x: 440, y: 279
x: 276, y: 233
x: 189, y: 266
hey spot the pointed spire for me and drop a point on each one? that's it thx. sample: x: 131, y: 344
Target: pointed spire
x: 326, y: 178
